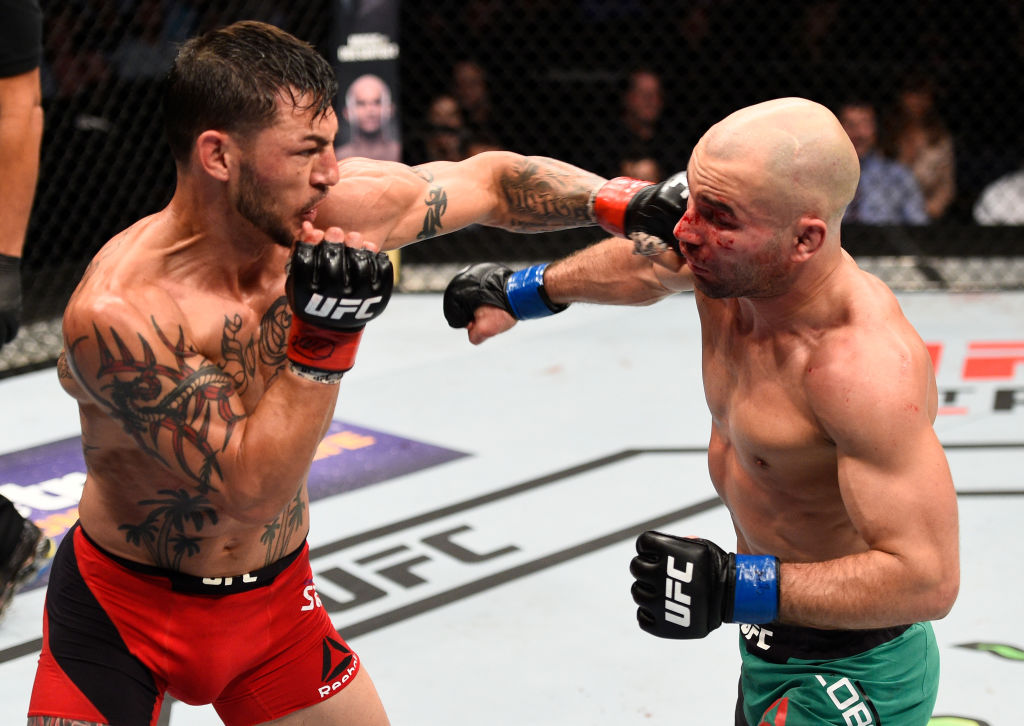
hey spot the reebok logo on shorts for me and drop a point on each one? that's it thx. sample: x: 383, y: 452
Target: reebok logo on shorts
x: 340, y: 665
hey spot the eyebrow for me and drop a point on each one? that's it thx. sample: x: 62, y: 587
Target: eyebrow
x: 715, y: 204
x: 317, y: 139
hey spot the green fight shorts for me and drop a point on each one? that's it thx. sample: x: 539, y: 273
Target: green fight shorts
x: 796, y: 676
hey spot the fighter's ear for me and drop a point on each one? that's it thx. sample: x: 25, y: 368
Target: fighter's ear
x: 213, y: 149
x: 811, y: 234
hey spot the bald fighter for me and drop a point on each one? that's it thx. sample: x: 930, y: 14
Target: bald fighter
x: 822, y: 400
x: 205, y: 346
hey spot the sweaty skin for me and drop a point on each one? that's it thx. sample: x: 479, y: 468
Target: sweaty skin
x: 821, y: 393
x: 197, y: 437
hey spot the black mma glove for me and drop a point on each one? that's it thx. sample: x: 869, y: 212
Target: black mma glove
x: 644, y: 212
x: 10, y: 297
x: 521, y: 294
x: 686, y: 587
x: 334, y: 291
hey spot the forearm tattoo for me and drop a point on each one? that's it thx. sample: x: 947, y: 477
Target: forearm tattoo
x: 543, y: 196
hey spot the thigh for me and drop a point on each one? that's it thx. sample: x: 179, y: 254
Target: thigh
x: 86, y: 671
x: 357, y: 703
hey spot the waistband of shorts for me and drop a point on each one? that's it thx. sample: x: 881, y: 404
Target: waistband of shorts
x: 195, y: 584
x: 777, y: 643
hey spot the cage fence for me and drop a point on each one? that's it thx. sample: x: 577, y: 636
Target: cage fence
x: 614, y: 86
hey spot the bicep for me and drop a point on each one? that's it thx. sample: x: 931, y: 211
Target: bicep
x: 899, y: 494
x: 893, y: 474
x: 393, y: 205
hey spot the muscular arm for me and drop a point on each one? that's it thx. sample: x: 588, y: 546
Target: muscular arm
x: 394, y: 204
x: 21, y: 131
x: 608, y: 272
x: 611, y: 273
x: 184, y: 413
x: 898, y: 491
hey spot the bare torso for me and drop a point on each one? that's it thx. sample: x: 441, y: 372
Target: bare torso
x: 770, y: 459
x: 215, y: 351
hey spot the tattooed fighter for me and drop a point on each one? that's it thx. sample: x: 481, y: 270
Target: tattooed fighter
x: 205, y: 345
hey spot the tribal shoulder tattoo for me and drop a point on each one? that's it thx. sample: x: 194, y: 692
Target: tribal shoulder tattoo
x: 181, y: 409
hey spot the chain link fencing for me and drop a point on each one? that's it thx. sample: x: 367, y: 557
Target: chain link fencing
x: 623, y: 86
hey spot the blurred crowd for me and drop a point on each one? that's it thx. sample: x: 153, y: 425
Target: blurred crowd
x: 928, y: 91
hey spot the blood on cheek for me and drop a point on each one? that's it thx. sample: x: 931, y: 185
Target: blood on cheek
x: 711, y: 233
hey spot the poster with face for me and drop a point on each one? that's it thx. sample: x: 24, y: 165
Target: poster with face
x: 366, y: 61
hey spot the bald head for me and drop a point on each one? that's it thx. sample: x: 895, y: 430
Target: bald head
x: 797, y: 152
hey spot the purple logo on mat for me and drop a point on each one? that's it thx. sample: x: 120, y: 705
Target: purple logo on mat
x: 45, y: 482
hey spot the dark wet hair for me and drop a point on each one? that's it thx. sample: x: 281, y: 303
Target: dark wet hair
x: 230, y: 79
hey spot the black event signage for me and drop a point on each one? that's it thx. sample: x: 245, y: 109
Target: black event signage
x: 365, y: 58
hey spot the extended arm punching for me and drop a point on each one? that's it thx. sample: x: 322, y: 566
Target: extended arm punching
x: 638, y: 271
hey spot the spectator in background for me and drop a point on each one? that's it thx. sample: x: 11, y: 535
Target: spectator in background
x: 639, y: 131
x: 917, y: 136
x: 1002, y: 201
x: 471, y: 89
x: 144, y: 53
x: 441, y: 135
x: 887, y: 193
x: 23, y: 547
x: 368, y: 111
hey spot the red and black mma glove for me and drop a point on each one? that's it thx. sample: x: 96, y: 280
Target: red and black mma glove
x: 686, y: 586
x: 521, y: 293
x: 10, y: 297
x: 333, y: 291
x: 644, y: 212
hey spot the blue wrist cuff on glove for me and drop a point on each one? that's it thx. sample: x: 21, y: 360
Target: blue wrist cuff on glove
x: 757, y: 589
x: 523, y: 290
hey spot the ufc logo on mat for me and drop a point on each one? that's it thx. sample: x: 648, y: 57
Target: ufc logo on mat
x: 335, y: 308
x: 677, y: 602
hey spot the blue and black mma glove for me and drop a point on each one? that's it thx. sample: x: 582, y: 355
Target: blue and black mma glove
x: 686, y: 586
x: 521, y: 293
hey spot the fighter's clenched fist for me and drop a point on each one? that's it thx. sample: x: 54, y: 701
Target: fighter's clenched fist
x: 336, y: 284
x: 686, y: 587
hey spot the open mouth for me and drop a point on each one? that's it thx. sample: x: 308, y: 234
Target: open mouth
x: 309, y: 213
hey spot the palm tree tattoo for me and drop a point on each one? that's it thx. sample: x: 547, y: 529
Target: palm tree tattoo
x: 277, y: 534
x: 154, y: 400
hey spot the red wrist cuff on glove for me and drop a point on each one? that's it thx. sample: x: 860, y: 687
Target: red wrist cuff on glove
x: 322, y: 349
x: 611, y: 202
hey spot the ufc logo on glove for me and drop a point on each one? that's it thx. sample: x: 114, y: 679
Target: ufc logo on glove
x: 677, y: 602
x: 335, y: 308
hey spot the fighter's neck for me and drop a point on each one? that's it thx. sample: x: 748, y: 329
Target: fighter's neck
x: 813, y: 302
x: 213, y: 244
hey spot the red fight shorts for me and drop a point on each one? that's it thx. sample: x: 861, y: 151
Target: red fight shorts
x: 118, y: 635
